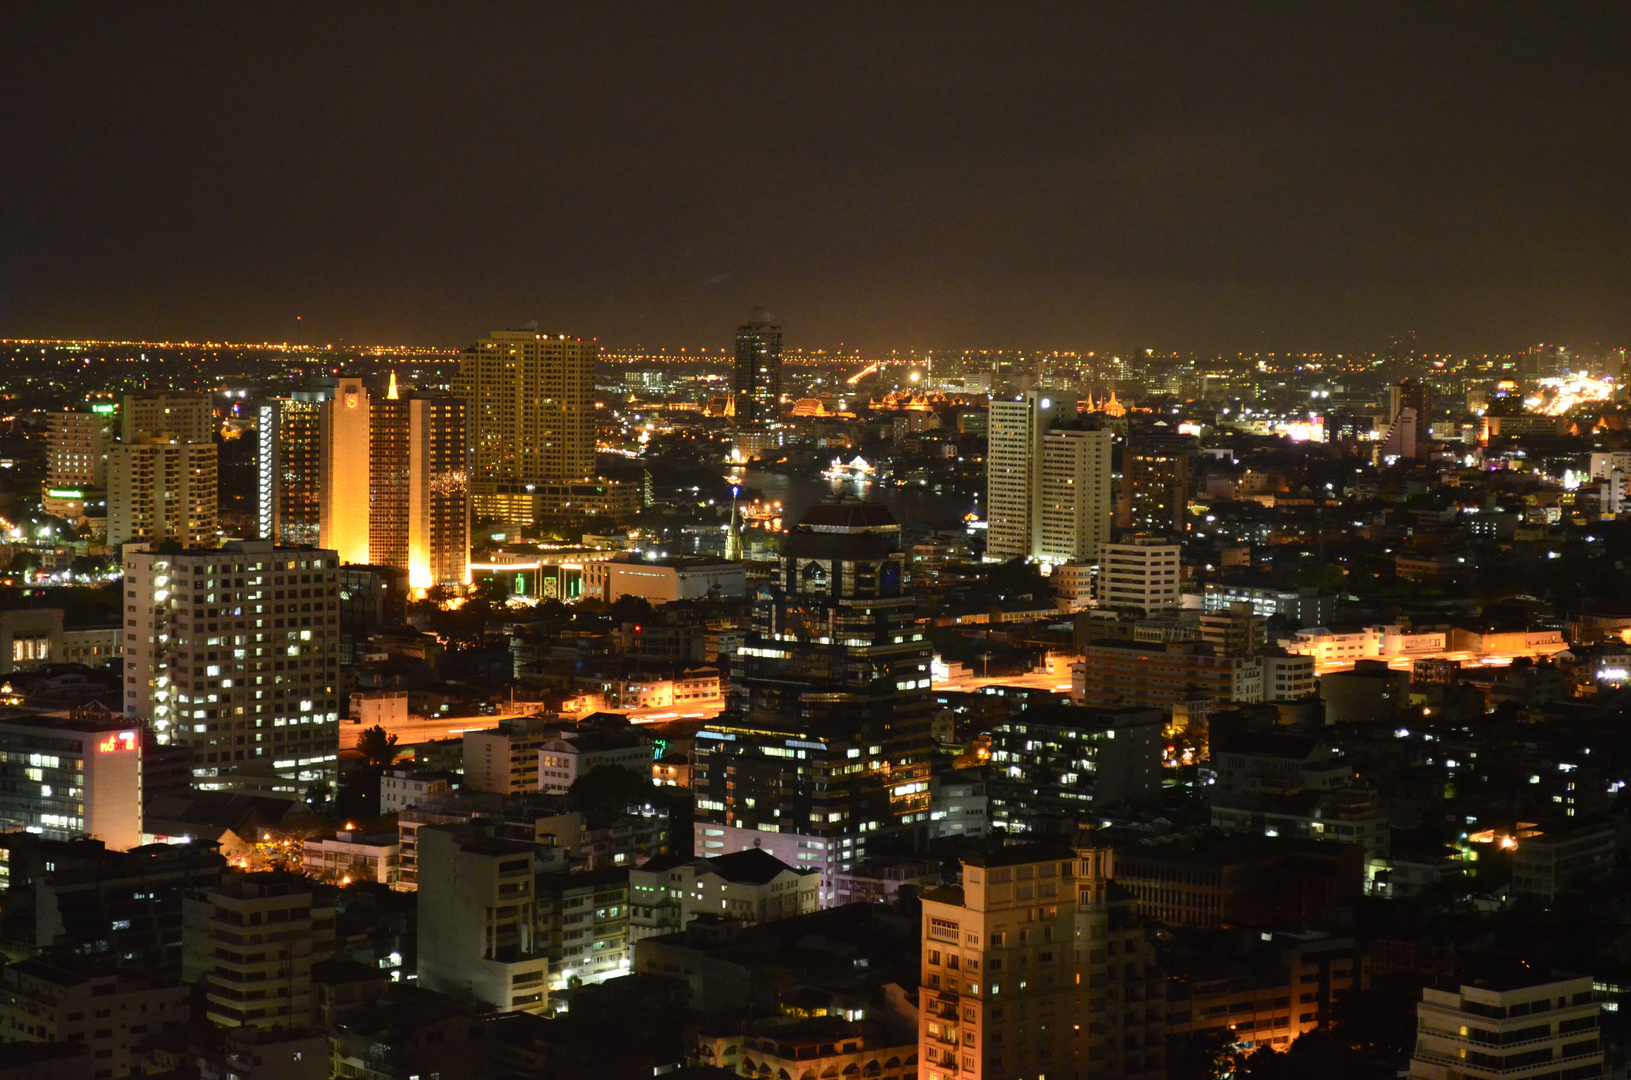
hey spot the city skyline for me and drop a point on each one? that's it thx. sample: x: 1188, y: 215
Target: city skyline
x: 913, y: 178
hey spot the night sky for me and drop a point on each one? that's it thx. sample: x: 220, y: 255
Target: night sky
x: 891, y: 175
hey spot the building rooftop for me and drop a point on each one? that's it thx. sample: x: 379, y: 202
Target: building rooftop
x: 1019, y: 854
x: 754, y: 866
x: 847, y: 514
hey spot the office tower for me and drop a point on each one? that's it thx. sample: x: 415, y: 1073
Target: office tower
x: 1415, y: 395
x: 76, y: 462
x: 1156, y: 474
x: 531, y: 414
x: 1143, y: 573
x: 395, y: 482
x: 1518, y: 1021
x: 343, y: 469
x: 289, y: 479
x: 235, y: 653
x: 758, y: 383
x: 476, y: 916
x: 63, y: 778
x: 1047, y: 481
x: 828, y: 741
x: 250, y: 944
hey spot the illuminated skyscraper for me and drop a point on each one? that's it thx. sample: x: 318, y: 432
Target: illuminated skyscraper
x: 758, y: 383
x: 829, y: 740
x: 289, y: 474
x: 235, y: 653
x: 344, y: 471
x: 530, y: 411
x: 1047, y: 481
x: 395, y: 472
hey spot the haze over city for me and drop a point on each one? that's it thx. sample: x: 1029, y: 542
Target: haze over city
x: 1051, y: 176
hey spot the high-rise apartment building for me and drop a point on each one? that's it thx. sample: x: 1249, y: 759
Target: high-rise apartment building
x: 1076, y: 506
x: 62, y: 778
x: 250, y: 944
x: 235, y: 652
x: 289, y: 488
x: 1048, y: 489
x: 531, y: 414
x: 184, y: 418
x: 1013, y: 452
x: 162, y: 483
x: 1017, y: 976
x: 828, y: 740
x: 758, y: 382
x: 395, y: 481
x: 76, y: 461
x: 1156, y: 474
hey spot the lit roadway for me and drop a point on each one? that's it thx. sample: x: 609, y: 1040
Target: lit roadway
x: 420, y: 729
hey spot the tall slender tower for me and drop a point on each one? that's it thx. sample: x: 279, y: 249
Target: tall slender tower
x: 290, y: 493
x: 758, y: 383
x: 344, y: 516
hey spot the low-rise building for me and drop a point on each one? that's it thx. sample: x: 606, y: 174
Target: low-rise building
x: 504, y: 759
x: 825, y: 1046
x: 750, y: 887
x: 1138, y: 674
x: 665, y: 580
x: 250, y: 944
x: 402, y: 788
x: 1548, y: 863
x: 566, y: 757
x: 1051, y: 764
x: 959, y: 804
x: 582, y: 925
x: 350, y: 856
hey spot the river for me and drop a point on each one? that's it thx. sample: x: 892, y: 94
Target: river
x: 913, y: 507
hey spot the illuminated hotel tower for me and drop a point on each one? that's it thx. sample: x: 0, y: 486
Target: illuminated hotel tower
x: 395, y: 482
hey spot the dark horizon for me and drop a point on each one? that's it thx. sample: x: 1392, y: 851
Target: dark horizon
x: 1190, y: 179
